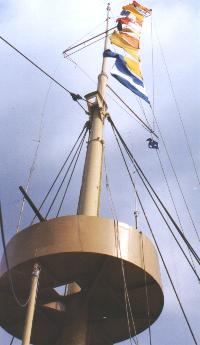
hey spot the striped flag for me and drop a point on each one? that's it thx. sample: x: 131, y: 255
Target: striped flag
x: 128, y: 73
x: 127, y: 70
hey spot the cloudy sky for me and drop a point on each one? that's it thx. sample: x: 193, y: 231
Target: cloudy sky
x: 42, y: 30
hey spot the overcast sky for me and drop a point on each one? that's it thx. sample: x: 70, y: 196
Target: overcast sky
x: 42, y: 30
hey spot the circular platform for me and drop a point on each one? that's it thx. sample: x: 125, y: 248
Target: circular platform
x: 84, y: 250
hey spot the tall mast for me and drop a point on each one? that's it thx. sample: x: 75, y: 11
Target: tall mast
x: 82, y: 250
x: 103, y: 76
x: 89, y: 200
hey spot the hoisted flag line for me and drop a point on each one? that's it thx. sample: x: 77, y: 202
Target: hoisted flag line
x: 127, y: 68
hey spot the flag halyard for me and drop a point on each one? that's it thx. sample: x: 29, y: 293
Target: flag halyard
x: 127, y: 69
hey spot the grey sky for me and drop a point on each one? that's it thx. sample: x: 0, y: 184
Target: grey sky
x: 42, y: 30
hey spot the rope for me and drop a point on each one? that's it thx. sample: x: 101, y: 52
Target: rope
x: 61, y: 169
x: 32, y: 168
x: 30, y: 176
x: 138, y: 99
x: 23, y: 305
x: 153, y: 112
x: 118, y: 249
x: 177, y: 180
x: 139, y: 170
x: 127, y: 302
x: 41, y: 70
x: 89, y: 39
x: 169, y: 276
x: 146, y: 288
x: 127, y: 297
x: 12, y: 340
x: 78, y: 50
x: 112, y: 205
x: 169, y: 189
x: 152, y: 64
x: 174, y: 205
x: 85, y: 35
x: 137, y: 118
x: 156, y: 206
x: 178, y: 110
x: 195, y: 272
x: 65, y: 176
x: 131, y: 110
x: 172, y: 284
x: 78, y: 155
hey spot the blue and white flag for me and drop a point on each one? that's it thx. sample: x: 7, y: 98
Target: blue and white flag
x: 125, y: 76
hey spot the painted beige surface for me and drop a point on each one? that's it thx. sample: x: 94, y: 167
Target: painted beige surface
x: 82, y: 249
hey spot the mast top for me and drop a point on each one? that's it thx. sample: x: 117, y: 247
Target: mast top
x: 108, y: 6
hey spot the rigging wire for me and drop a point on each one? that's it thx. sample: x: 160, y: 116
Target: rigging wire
x: 131, y: 110
x: 66, y: 189
x: 141, y: 174
x: 177, y: 180
x: 152, y: 64
x: 78, y: 50
x: 126, y: 111
x: 63, y: 180
x: 146, y: 287
x: 178, y: 109
x: 138, y: 99
x: 32, y: 168
x: 153, y: 199
x: 88, y: 33
x: 174, y: 205
x: 44, y: 72
x: 191, y: 266
x: 82, y: 70
x: 164, y: 144
x: 168, y: 274
x: 20, y: 304
x: 165, y: 266
x: 61, y: 169
x: 170, y: 161
x: 118, y: 249
x: 168, y: 186
x: 127, y: 300
x: 135, y: 212
x: 169, y: 215
x: 137, y: 118
x: 12, y: 340
x: 88, y: 40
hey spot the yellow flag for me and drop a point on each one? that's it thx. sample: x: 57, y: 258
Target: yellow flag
x: 139, y: 17
x: 134, y: 66
x: 141, y: 9
x: 130, y: 32
x: 120, y: 40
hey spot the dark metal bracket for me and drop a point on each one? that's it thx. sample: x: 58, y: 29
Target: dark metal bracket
x: 32, y: 205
